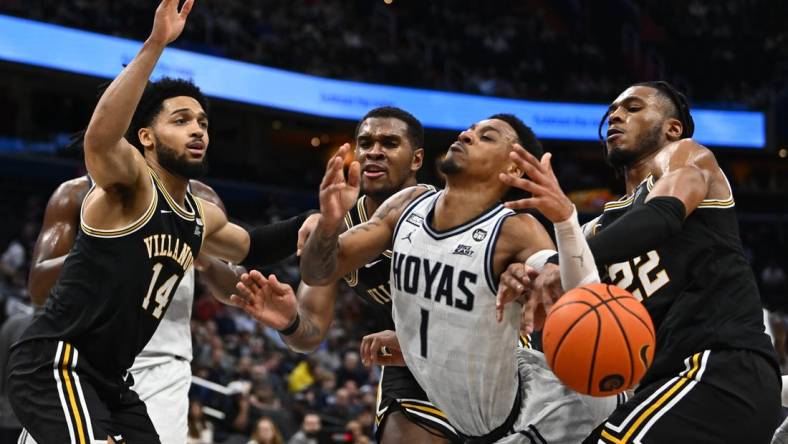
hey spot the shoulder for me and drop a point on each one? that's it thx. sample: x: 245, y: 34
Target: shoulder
x: 520, y: 225
x: 685, y: 153
x: 395, y: 205
x: 205, y: 192
x: 69, y: 194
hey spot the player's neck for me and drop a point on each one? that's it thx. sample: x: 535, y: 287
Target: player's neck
x: 637, y: 172
x: 460, y: 204
x: 372, y: 202
x: 173, y: 183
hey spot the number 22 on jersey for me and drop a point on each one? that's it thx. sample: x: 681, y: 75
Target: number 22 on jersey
x: 650, y: 275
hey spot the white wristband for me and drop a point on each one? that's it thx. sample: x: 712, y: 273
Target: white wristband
x: 576, y: 262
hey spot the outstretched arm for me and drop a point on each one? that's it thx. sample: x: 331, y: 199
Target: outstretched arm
x: 60, y: 226
x: 302, y: 321
x: 110, y: 159
x: 327, y: 256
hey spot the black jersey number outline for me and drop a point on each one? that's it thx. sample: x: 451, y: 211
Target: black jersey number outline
x: 162, y: 293
x: 650, y: 275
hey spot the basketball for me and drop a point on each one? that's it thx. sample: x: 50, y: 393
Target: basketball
x: 598, y: 339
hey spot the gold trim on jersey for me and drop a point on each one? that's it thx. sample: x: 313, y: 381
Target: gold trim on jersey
x: 361, y: 207
x: 423, y: 408
x: 717, y: 203
x: 627, y: 200
x: 665, y: 397
x: 182, y: 212
x: 128, y: 229
x: 352, y: 277
x: 200, y: 214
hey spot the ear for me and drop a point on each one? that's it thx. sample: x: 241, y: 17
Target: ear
x: 145, y: 135
x: 514, y: 170
x: 418, y: 159
x: 674, y: 129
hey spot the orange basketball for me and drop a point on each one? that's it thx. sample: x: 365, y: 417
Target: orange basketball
x: 598, y: 339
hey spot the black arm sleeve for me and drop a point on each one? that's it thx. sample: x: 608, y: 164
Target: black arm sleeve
x: 273, y: 242
x: 639, y: 231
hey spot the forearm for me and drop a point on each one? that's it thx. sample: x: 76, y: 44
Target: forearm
x: 42, y: 278
x: 320, y: 256
x: 577, y: 265
x: 116, y: 107
x: 274, y: 242
x: 307, y: 337
x: 219, y: 277
x: 639, y: 231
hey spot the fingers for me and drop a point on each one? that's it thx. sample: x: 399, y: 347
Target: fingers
x: 186, y: 8
x: 239, y: 301
x: 354, y: 174
x: 520, y: 182
x: 529, y: 160
x: 244, y: 293
x: 530, y: 272
x: 522, y: 204
x: 366, y: 342
x: 303, y: 236
x: 279, y: 287
x: 528, y: 316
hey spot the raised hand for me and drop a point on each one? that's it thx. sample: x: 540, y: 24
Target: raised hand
x: 269, y: 301
x: 168, y: 22
x: 381, y: 348
x: 306, y: 230
x: 547, y: 196
x: 338, y: 194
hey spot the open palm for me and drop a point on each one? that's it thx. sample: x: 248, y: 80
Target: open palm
x: 269, y: 301
x: 169, y: 22
x: 337, y: 194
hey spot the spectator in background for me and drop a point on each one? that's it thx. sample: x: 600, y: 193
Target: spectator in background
x: 352, y: 370
x: 200, y: 429
x: 310, y: 429
x: 265, y: 432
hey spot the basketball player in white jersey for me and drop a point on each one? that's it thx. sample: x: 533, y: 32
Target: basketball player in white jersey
x: 449, y: 247
x: 162, y: 371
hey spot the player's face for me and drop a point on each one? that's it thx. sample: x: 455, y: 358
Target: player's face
x: 636, y: 125
x: 482, y: 149
x: 180, y: 136
x: 389, y: 161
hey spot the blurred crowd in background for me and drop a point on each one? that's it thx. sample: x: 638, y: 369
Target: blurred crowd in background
x: 556, y: 50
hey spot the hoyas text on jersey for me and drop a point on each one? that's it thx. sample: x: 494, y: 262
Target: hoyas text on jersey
x: 440, y: 280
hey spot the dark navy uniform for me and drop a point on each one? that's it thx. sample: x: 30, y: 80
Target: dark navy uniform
x: 68, y: 372
x: 398, y: 389
x: 715, y: 375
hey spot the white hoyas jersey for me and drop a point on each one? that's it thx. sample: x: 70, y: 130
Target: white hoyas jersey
x: 173, y: 337
x: 444, y: 311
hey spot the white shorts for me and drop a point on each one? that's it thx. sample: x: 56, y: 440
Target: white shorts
x: 164, y: 388
x: 550, y: 411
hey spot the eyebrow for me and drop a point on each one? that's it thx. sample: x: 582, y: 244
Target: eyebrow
x: 200, y: 115
x: 625, y: 100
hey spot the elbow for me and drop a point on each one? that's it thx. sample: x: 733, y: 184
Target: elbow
x: 38, y: 294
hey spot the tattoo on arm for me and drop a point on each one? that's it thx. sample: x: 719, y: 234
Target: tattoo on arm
x: 306, y: 337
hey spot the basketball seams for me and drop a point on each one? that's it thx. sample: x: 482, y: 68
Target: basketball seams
x: 650, y: 328
x: 571, y: 326
x: 620, y: 328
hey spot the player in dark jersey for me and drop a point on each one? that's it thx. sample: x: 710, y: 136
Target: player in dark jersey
x: 673, y: 241
x: 389, y: 147
x: 162, y: 373
x: 140, y: 230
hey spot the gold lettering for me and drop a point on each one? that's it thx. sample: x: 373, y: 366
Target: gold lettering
x: 149, y: 246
